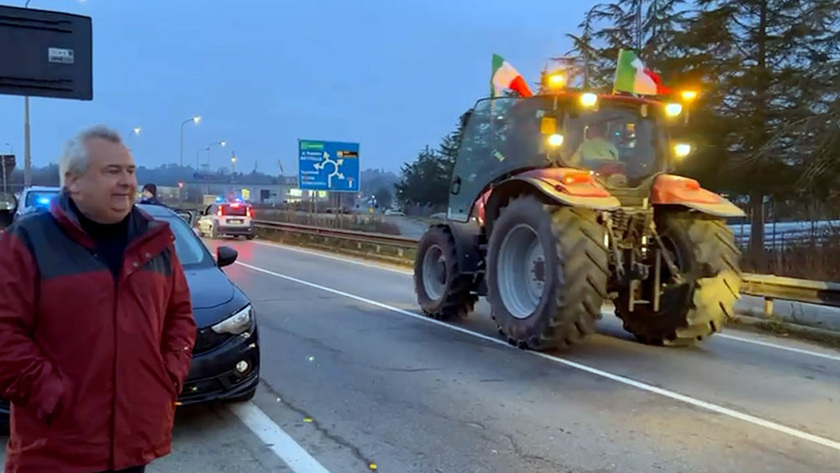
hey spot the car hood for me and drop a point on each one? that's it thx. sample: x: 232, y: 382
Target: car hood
x: 214, y: 296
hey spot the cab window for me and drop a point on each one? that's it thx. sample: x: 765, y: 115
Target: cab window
x: 235, y: 210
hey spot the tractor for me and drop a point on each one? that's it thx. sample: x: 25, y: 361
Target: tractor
x: 564, y: 201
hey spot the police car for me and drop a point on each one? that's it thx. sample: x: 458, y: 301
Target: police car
x: 227, y: 219
x: 35, y: 199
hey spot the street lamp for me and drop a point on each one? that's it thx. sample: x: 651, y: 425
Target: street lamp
x: 27, y: 156
x: 688, y: 96
x: 222, y: 143
x: 195, y: 120
x: 233, y: 163
x: 134, y: 131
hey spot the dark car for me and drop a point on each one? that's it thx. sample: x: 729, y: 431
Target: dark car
x: 226, y: 356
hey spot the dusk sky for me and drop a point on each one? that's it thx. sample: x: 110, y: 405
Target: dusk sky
x: 391, y: 75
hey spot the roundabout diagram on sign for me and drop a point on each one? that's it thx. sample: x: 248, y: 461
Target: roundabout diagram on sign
x: 328, y: 166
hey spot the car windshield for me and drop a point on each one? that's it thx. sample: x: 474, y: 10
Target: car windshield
x: 190, y: 250
x: 617, y: 142
x: 39, y: 198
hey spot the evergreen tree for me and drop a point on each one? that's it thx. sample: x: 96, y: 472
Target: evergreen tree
x: 425, y: 181
x: 760, y: 105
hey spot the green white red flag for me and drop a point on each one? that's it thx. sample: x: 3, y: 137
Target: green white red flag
x: 507, y: 77
x: 632, y: 76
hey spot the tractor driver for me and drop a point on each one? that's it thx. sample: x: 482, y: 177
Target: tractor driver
x: 595, y: 147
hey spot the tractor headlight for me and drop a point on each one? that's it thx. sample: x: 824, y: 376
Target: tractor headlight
x: 682, y: 150
x: 588, y: 100
x: 673, y: 109
x: 555, y: 140
x: 236, y: 323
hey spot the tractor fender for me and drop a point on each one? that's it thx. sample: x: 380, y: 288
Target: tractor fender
x: 563, y: 186
x: 468, y: 239
x: 674, y: 190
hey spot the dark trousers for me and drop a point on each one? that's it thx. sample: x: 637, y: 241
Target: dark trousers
x: 133, y: 469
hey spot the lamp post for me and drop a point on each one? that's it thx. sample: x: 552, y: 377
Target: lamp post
x: 195, y: 120
x: 222, y: 143
x: 27, y: 156
x: 134, y: 131
x: 688, y: 96
x: 233, y: 163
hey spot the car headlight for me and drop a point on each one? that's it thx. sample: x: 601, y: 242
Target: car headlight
x: 236, y: 323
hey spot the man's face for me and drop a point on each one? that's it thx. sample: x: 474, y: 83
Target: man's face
x: 147, y: 194
x: 105, y: 192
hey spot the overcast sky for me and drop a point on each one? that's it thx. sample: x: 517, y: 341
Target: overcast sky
x: 393, y: 75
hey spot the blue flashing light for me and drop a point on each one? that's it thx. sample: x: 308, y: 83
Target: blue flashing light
x: 43, y: 200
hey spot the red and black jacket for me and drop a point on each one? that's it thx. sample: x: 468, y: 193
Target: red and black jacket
x: 92, y: 363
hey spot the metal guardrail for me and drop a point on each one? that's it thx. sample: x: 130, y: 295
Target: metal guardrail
x: 772, y: 288
x: 768, y: 287
x: 373, y: 238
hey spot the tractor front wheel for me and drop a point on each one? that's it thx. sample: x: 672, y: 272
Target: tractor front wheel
x: 700, y: 302
x: 442, y: 291
x: 546, y: 273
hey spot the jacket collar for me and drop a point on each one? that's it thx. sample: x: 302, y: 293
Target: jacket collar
x: 140, y: 225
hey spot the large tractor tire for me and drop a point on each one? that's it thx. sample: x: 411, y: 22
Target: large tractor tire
x: 442, y: 291
x: 547, y: 273
x: 704, y: 251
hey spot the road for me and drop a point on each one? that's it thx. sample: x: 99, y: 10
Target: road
x: 356, y: 377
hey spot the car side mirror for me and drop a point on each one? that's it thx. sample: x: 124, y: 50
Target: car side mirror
x: 225, y: 256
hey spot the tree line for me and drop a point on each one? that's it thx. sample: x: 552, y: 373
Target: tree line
x: 766, y: 123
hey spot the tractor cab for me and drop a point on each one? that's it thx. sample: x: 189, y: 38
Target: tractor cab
x: 621, y: 141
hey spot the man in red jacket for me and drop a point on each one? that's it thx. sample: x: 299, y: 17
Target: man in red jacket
x: 96, y: 325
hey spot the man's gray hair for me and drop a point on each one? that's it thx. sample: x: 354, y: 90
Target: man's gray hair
x: 76, y: 158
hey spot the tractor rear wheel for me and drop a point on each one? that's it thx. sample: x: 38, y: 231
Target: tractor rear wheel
x: 547, y: 273
x: 704, y: 251
x: 442, y: 291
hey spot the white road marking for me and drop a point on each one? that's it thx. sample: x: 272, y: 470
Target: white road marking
x: 780, y: 347
x: 292, y: 454
x: 776, y: 346
x: 802, y: 435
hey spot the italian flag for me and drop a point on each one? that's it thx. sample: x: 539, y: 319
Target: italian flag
x: 505, y: 77
x: 632, y: 76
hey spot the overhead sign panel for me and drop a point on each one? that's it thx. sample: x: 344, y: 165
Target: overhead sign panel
x: 328, y: 166
x: 45, y: 54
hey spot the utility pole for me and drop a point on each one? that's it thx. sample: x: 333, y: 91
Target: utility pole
x: 27, y: 151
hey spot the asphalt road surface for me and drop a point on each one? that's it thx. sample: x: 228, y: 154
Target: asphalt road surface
x: 354, y: 379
